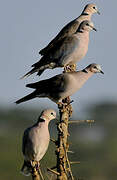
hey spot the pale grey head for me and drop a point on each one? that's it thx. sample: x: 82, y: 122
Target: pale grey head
x: 86, y: 26
x: 95, y: 68
x: 48, y: 114
x: 90, y: 9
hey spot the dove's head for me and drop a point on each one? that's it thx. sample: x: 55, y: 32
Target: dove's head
x: 95, y: 68
x: 90, y: 9
x: 48, y: 114
x: 86, y: 26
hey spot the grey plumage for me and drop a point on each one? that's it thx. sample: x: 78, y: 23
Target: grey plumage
x: 62, y: 85
x: 72, y: 26
x: 36, y: 140
x: 69, y: 50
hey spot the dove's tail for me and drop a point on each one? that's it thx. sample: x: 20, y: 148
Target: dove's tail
x: 29, y: 73
x: 26, y: 98
x: 39, y: 72
x: 26, y: 169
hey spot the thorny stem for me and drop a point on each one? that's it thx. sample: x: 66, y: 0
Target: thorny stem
x: 65, y: 110
x: 63, y: 165
x: 61, y: 161
x: 41, y: 174
x: 35, y: 174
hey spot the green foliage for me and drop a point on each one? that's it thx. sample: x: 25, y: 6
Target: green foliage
x: 94, y: 146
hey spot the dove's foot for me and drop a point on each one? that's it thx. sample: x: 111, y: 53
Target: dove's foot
x: 70, y: 68
x: 35, y: 165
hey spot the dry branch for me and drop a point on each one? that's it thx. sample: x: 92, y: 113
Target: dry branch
x: 36, y: 171
x: 62, y: 158
x: 63, y: 166
x: 54, y: 172
x: 35, y: 174
x: 81, y: 121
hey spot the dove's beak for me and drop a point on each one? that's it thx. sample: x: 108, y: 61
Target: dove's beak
x: 94, y: 29
x: 98, y: 12
x: 101, y: 72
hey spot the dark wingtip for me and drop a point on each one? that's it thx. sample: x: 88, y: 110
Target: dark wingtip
x: 39, y: 51
x: 22, y: 77
x: 40, y: 72
x: 16, y: 102
x: 101, y: 72
x: 26, y: 85
x: 25, y: 76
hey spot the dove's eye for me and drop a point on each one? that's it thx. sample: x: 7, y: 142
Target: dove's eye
x: 95, y: 67
x: 52, y: 113
x: 94, y: 7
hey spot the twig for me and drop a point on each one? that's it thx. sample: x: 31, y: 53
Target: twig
x: 41, y: 174
x: 35, y: 172
x: 53, y: 140
x: 74, y: 162
x: 68, y: 162
x: 35, y: 175
x: 51, y: 170
x: 81, y: 121
x: 70, y: 152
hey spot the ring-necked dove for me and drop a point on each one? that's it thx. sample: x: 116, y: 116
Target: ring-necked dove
x: 69, y: 50
x: 36, y: 140
x: 62, y: 85
x: 72, y: 27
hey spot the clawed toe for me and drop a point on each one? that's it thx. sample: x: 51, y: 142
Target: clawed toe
x: 70, y: 68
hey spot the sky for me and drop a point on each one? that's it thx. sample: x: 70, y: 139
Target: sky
x: 28, y: 26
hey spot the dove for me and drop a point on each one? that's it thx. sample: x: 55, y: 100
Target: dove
x: 36, y: 140
x: 72, y: 26
x: 68, y: 51
x: 61, y: 86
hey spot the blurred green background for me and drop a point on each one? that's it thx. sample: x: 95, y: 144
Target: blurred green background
x: 95, y: 145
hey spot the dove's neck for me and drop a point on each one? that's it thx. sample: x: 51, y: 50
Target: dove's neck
x: 83, y: 17
x: 87, y: 13
x: 84, y: 75
x: 87, y: 16
x: 43, y: 121
x: 83, y: 34
x: 87, y: 74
